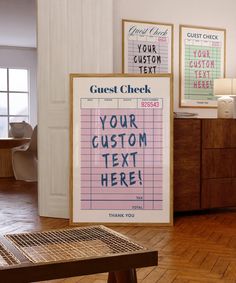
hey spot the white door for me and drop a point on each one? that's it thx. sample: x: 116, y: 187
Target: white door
x: 74, y: 36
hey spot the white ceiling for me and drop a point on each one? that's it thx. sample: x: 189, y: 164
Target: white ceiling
x: 18, y: 23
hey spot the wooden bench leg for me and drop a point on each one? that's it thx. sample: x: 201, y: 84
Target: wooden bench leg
x: 123, y: 276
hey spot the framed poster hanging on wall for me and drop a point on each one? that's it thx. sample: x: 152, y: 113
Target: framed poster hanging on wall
x: 121, y: 149
x: 202, y: 59
x: 147, y: 47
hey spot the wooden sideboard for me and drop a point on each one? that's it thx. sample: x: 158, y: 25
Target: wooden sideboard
x: 204, y: 163
x: 5, y: 155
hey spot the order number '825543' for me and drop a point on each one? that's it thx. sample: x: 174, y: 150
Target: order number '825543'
x: 150, y: 103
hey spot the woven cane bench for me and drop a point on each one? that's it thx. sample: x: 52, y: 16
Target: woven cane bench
x: 39, y: 256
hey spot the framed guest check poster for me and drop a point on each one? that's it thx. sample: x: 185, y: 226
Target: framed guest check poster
x: 147, y: 47
x: 202, y: 59
x: 121, y: 149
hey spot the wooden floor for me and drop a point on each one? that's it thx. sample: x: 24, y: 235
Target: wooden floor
x: 199, y: 248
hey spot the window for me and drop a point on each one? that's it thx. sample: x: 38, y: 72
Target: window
x: 14, y: 98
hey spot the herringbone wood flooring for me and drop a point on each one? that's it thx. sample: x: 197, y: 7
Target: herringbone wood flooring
x: 199, y: 248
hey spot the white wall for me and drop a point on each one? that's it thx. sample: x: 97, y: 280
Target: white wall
x: 209, y: 13
x: 19, y: 57
x: 18, y: 23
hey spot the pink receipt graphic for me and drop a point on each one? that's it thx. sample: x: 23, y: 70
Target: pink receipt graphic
x: 121, y: 159
x: 148, y: 57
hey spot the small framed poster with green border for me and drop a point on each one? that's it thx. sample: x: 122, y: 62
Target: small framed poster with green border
x: 202, y: 59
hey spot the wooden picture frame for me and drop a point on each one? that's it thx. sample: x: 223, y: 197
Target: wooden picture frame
x: 147, y: 47
x: 202, y: 59
x: 121, y: 160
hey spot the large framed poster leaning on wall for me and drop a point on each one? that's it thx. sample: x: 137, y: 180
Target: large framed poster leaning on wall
x: 202, y: 59
x: 121, y: 149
